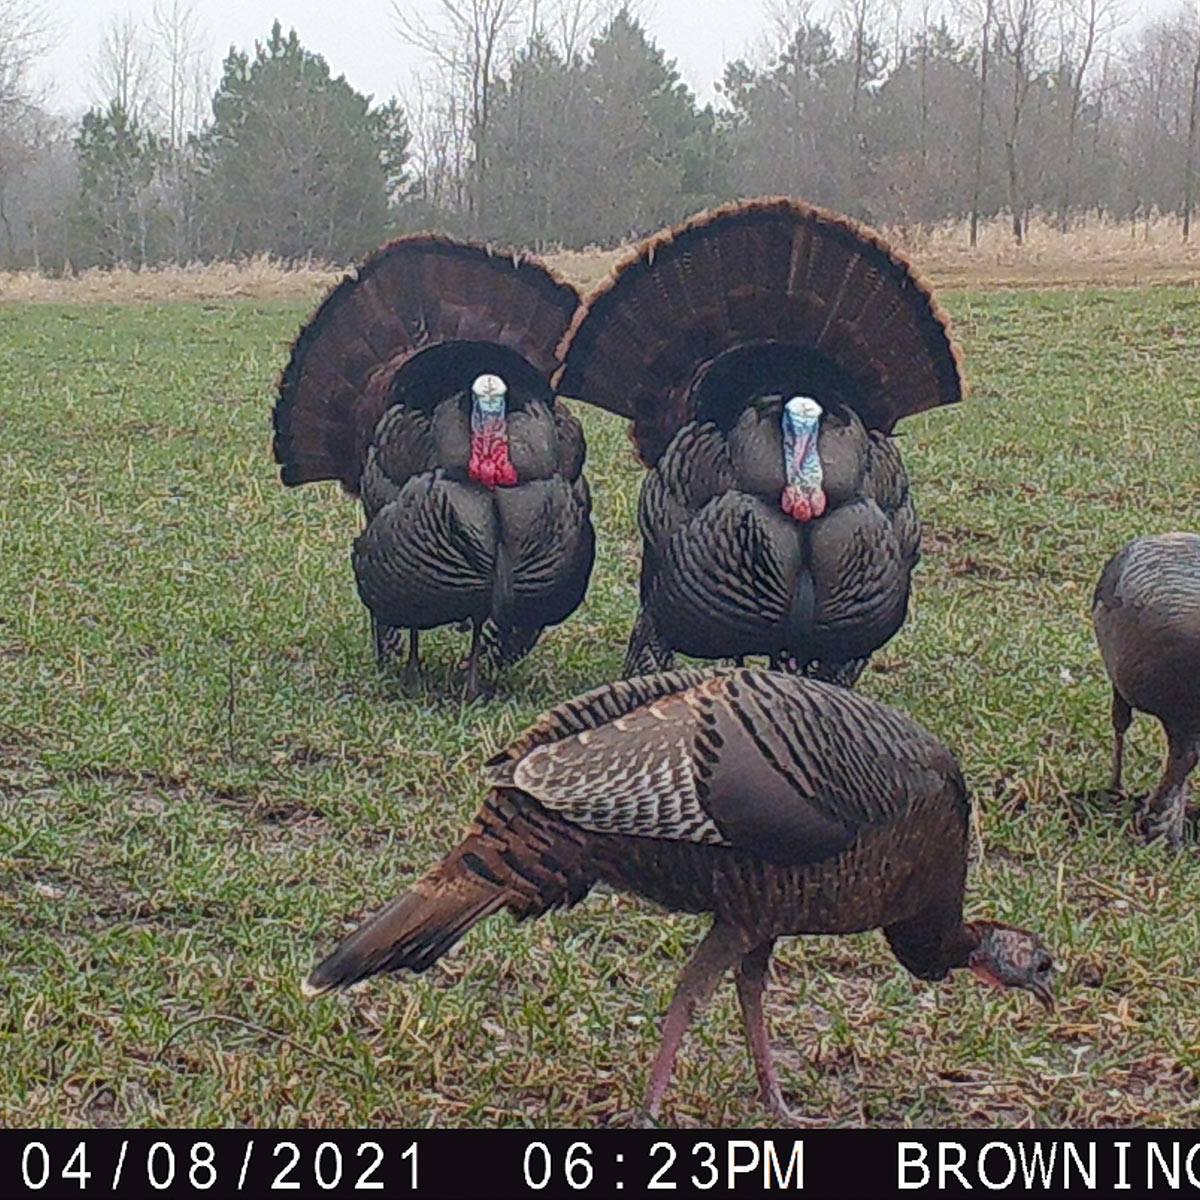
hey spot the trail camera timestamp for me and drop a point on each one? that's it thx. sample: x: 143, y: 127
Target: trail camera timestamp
x: 669, y: 1166
x: 195, y: 1164
x: 463, y: 1165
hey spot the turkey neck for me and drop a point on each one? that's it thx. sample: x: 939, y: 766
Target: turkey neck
x: 490, y: 463
x: 930, y: 947
x: 803, y: 497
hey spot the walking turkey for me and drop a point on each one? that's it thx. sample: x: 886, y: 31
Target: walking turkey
x: 779, y: 804
x: 422, y: 384
x: 764, y: 353
x: 1146, y: 613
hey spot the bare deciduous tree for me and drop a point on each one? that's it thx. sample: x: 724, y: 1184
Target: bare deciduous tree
x: 861, y: 22
x: 1189, y: 171
x: 472, y: 41
x: 570, y: 24
x: 441, y: 139
x: 26, y: 33
x: 122, y: 68
x: 182, y: 83
x: 985, y: 47
x: 1084, y: 28
x: 1020, y: 28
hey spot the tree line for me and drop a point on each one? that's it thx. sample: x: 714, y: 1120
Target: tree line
x: 562, y: 123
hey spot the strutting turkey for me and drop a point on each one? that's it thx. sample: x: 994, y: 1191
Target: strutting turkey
x: 1146, y: 613
x: 779, y: 804
x: 422, y: 384
x: 764, y: 352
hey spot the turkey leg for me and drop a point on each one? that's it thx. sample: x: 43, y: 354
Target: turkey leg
x: 750, y: 976
x: 471, y: 690
x: 722, y: 946
x: 1122, y: 715
x: 412, y: 668
x: 1164, y: 811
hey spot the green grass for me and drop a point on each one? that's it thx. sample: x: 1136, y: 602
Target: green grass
x: 204, y: 780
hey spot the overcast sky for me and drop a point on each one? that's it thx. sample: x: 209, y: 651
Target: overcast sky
x: 357, y: 38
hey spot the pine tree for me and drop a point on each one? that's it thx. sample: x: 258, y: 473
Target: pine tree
x: 113, y: 217
x: 296, y: 163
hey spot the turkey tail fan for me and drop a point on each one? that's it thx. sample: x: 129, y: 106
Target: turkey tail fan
x: 751, y: 293
x: 423, y: 310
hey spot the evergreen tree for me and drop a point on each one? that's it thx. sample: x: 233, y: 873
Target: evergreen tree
x: 598, y: 150
x: 789, y: 121
x: 113, y: 217
x: 296, y: 163
x: 656, y: 157
x: 535, y: 185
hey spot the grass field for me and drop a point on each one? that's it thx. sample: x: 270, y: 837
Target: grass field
x: 204, y: 780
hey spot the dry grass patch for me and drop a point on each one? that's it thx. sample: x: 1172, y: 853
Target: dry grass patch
x: 1092, y: 254
x: 257, y: 278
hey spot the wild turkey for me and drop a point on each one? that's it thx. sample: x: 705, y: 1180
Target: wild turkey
x: 1146, y: 613
x: 764, y: 352
x: 780, y: 805
x: 422, y: 384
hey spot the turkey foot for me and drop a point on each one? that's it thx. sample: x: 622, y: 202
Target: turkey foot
x: 788, y: 1118
x: 1167, y: 823
x: 1166, y: 808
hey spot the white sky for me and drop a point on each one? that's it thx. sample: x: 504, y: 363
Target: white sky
x: 358, y: 39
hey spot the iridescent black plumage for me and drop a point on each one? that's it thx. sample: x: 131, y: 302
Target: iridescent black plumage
x: 700, y: 338
x: 377, y: 394
x: 1146, y: 613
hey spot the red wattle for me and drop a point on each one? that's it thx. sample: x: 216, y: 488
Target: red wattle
x: 490, y: 464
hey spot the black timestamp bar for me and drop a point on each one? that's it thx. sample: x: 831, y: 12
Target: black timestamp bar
x: 471, y: 1163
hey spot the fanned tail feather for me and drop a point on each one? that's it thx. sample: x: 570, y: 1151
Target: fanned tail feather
x: 751, y: 294
x: 476, y: 309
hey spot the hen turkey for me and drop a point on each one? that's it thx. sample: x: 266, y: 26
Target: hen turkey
x: 780, y: 805
x: 422, y: 384
x: 1146, y: 613
x: 764, y: 352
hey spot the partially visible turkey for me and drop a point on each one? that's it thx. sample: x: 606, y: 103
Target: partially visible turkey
x: 764, y: 352
x: 422, y: 384
x: 1146, y: 613
x: 778, y: 804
